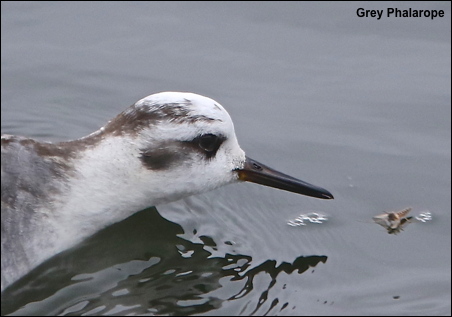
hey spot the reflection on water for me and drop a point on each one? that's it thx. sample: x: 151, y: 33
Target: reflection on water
x: 424, y: 216
x: 303, y: 219
x: 168, y: 275
x: 301, y: 264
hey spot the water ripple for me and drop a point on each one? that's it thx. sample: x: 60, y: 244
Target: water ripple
x: 311, y: 217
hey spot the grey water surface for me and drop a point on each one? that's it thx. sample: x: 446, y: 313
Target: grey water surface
x: 359, y: 106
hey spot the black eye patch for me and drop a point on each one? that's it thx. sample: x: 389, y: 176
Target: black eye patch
x: 169, y: 154
x: 161, y: 159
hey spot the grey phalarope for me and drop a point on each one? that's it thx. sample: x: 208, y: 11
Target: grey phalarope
x: 164, y: 147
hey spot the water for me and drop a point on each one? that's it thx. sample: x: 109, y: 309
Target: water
x: 358, y: 106
x: 311, y: 217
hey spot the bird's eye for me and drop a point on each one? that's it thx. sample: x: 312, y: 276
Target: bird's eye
x: 209, y: 142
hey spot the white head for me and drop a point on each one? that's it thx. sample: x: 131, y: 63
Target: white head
x: 171, y: 145
x: 187, y: 141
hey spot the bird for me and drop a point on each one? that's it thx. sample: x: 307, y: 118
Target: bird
x: 164, y: 147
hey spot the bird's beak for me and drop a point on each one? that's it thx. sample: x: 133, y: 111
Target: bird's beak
x: 256, y: 172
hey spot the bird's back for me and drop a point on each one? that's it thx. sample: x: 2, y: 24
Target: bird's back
x: 28, y: 179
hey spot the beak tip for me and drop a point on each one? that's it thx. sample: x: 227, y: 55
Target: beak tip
x: 322, y: 193
x: 328, y: 196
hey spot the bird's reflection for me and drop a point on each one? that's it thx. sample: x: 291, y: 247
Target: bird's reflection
x: 168, y: 275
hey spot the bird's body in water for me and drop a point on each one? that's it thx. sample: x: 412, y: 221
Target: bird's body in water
x: 164, y: 147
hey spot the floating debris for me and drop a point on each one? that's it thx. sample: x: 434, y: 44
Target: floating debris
x: 303, y: 219
x: 393, y: 221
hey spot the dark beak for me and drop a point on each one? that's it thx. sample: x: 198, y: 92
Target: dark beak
x: 256, y: 172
